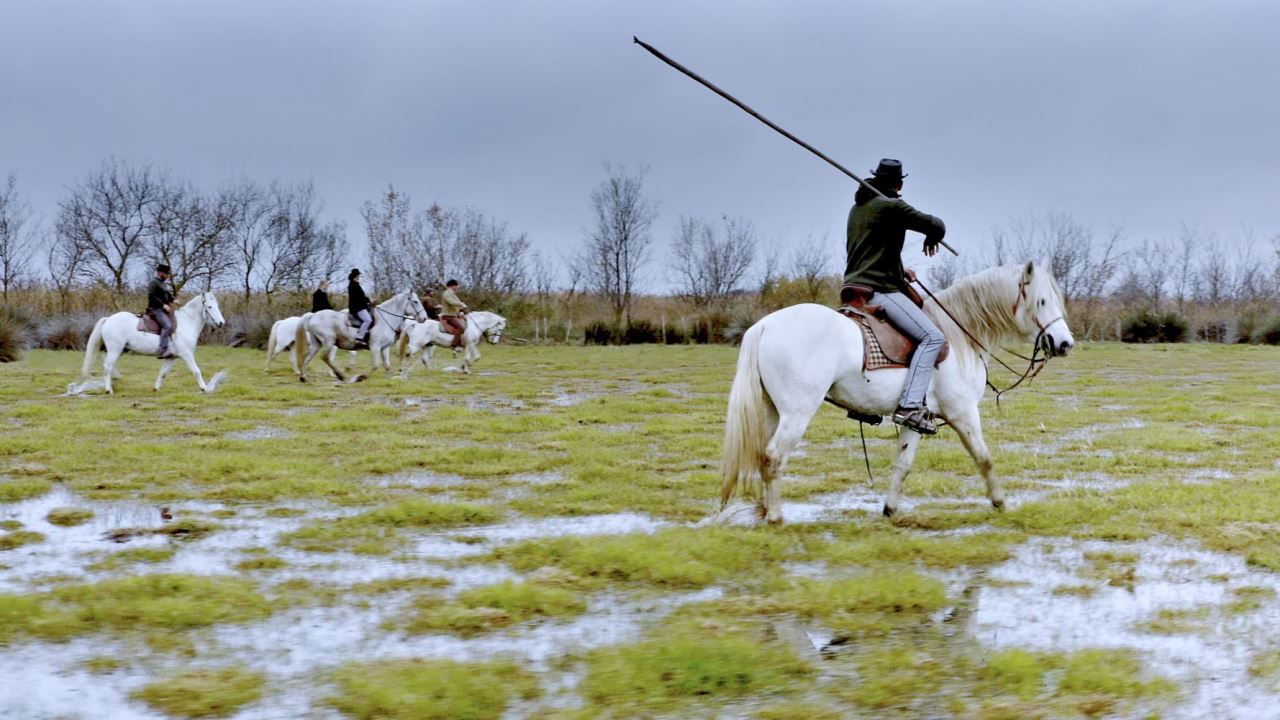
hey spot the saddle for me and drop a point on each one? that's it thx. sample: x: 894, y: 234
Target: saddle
x: 884, y: 346
x: 354, y: 321
x: 147, y: 324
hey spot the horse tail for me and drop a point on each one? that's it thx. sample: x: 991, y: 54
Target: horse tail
x: 271, y: 343
x: 91, y: 349
x: 744, y: 427
x: 300, y: 344
x: 402, y: 343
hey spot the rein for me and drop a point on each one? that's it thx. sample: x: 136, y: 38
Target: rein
x: 1035, y: 363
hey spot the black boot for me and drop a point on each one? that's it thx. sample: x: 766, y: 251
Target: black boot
x: 918, y: 419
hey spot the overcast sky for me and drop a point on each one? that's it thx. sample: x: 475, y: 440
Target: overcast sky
x: 1144, y: 113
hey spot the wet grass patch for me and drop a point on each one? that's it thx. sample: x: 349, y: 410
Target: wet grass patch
x: 18, y: 538
x: 166, y: 602
x: 689, y: 663
x: 69, y: 516
x: 493, y: 607
x: 204, y: 692
x: 430, y: 690
x: 379, y: 531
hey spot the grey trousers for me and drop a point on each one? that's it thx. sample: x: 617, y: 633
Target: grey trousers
x: 913, y: 323
x: 166, y: 328
x: 365, y: 321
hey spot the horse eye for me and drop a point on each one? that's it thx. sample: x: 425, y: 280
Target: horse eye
x: 1041, y: 302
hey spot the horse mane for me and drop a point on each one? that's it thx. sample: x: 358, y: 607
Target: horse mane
x: 982, y: 303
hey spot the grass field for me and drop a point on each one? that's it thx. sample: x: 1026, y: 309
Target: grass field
x: 519, y: 543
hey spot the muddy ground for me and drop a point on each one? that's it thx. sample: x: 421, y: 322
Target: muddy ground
x: 524, y: 543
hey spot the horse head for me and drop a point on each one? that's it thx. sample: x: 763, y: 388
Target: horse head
x: 496, y: 324
x: 212, y: 311
x: 415, y: 304
x: 1040, y: 311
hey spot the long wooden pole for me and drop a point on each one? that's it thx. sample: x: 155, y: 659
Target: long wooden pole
x: 710, y: 86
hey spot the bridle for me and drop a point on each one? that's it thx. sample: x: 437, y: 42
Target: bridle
x: 1035, y: 363
x: 204, y: 309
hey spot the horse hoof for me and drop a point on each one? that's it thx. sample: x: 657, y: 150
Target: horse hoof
x: 301, y: 379
x: 889, y: 511
x: 998, y: 504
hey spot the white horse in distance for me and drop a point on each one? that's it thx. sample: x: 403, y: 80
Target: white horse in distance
x: 324, y: 331
x: 281, y: 338
x: 119, y: 332
x: 425, y: 336
x: 794, y: 359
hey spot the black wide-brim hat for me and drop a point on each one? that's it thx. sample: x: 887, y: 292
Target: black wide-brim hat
x: 164, y: 268
x: 355, y: 273
x: 889, y: 168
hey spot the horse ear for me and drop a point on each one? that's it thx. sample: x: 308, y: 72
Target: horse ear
x: 1029, y: 270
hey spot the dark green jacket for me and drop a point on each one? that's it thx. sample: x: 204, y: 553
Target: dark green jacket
x: 877, y: 230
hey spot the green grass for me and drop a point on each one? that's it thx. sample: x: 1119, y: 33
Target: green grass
x: 383, y: 529
x: 69, y: 516
x: 429, y: 690
x: 18, y: 538
x: 203, y: 693
x: 158, y: 602
x: 491, y: 607
x: 691, y: 662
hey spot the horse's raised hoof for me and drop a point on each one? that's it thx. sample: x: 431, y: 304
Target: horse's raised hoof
x: 301, y: 379
x: 888, y: 511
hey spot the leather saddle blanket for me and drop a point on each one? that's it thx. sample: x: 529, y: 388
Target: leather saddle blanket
x: 147, y: 324
x: 884, y: 346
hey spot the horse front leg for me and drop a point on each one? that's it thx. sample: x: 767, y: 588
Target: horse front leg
x: 189, y: 358
x: 165, y: 367
x: 968, y: 425
x: 908, y: 442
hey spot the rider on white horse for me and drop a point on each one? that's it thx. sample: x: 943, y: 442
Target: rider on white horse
x: 451, y: 312
x: 877, y: 230
x: 159, y: 300
x: 358, y: 304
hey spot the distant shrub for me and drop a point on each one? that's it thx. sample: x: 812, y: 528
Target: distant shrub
x: 675, y: 336
x: 599, y: 333
x: 66, y: 332
x: 641, y: 332
x: 1212, y: 331
x: 1151, y: 327
x: 11, y: 334
x: 248, y: 330
x: 1247, y: 326
x: 1269, y: 331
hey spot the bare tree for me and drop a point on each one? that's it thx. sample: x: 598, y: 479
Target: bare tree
x: 250, y: 210
x: 709, y: 261
x: 618, y: 242
x: 191, y: 234
x: 17, y: 238
x: 108, y: 214
x: 396, y: 242
x: 65, y: 261
x: 944, y: 273
x: 811, y: 263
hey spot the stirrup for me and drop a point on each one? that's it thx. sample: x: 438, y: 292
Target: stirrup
x: 918, y: 419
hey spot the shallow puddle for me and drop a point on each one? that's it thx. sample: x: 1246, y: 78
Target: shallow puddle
x: 1209, y: 659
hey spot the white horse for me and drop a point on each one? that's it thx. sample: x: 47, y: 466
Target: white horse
x: 424, y: 336
x: 282, y: 336
x: 324, y: 331
x: 119, y: 332
x: 794, y: 359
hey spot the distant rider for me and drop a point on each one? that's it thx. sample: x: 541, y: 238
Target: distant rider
x: 320, y: 298
x: 430, y: 304
x: 159, y: 301
x: 877, y: 230
x: 358, y: 304
x: 451, y: 311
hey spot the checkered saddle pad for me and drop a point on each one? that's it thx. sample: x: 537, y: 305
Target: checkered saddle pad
x: 883, y: 345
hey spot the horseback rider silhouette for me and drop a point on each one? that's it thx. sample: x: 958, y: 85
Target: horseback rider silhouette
x: 159, y: 300
x: 876, y: 232
x: 452, y: 311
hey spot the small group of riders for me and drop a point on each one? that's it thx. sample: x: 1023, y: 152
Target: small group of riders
x: 877, y: 227
x: 449, y: 311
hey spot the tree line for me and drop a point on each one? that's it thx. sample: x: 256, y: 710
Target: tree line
x: 119, y: 220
